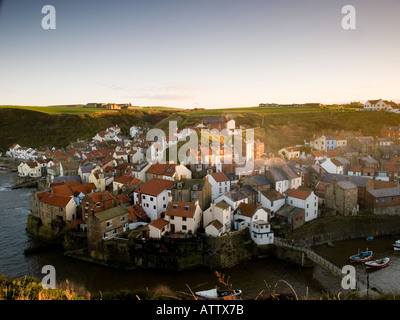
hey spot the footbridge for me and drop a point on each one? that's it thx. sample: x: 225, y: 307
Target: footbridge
x: 362, y: 280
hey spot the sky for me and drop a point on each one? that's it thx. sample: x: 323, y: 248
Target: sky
x: 198, y: 53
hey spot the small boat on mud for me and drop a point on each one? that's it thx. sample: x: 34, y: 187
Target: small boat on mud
x: 396, y: 245
x: 330, y: 244
x: 377, y: 264
x: 362, y: 256
x: 216, y: 294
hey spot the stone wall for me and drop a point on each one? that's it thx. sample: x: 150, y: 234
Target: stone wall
x: 338, y: 228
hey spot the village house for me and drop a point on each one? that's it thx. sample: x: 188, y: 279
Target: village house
x: 383, y: 201
x: 379, y: 105
x: 291, y: 215
x: 34, y: 203
x: 96, y: 202
x: 258, y: 182
x: 304, y: 199
x: 220, y: 184
x: 323, y: 142
x: 289, y: 153
x: 154, y: 196
x: 218, y: 214
x: 187, y: 190
x: 184, y: 217
x: 233, y: 198
x: 272, y: 200
x: 250, y: 193
x: 136, y: 213
x: 105, y: 225
x: 158, y: 228
x: 57, y: 211
x: 363, y: 184
x: 29, y: 169
x: 168, y: 171
x: 124, y: 181
x: 293, y: 177
x: 257, y: 220
x: 140, y: 171
x: 333, y: 166
x: 391, y: 132
x: 278, y: 178
x: 342, y: 197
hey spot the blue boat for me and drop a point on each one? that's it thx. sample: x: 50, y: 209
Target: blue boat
x: 362, y: 256
x: 370, y: 238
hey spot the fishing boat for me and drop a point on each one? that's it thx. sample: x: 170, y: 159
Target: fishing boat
x: 377, y: 264
x: 396, y: 245
x: 330, y: 244
x: 216, y: 294
x: 362, y: 256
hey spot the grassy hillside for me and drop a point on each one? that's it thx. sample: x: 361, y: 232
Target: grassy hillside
x: 276, y: 127
x: 280, y: 127
x: 37, y: 129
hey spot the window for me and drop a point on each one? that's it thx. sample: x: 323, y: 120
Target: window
x: 172, y: 217
x: 108, y: 224
x: 183, y: 218
x: 308, y: 206
x: 154, y: 207
x: 143, y: 197
x: 122, y: 219
x: 384, y: 200
x: 105, y: 235
x: 151, y: 199
x: 184, y: 227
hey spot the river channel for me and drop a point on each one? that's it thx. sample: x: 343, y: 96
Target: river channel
x: 251, y: 277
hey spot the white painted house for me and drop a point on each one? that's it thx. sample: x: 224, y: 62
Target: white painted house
x: 271, y: 199
x: 257, y: 220
x: 333, y: 165
x: 221, y: 212
x: 185, y: 217
x: 220, y: 184
x: 154, y: 196
x: 233, y: 198
x: 306, y: 200
x: 29, y: 169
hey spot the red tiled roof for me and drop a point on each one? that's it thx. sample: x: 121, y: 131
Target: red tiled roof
x: 55, y: 199
x: 159, y: 223
x: 155, y: 186
x: 391, y: 166
x: 181, y: 209
x: 299, y: 194
x: 355, y: 169
x: 219, y: 176
x: 135, y: 212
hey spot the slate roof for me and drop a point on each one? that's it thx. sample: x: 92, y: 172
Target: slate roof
x: 388, y: 192
x: 358, y: 181
x: 111, y: 213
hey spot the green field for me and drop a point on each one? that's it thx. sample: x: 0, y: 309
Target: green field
x: 83, y: 110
